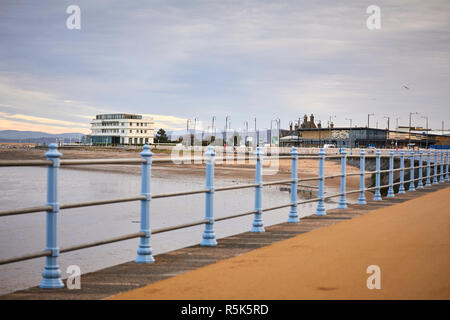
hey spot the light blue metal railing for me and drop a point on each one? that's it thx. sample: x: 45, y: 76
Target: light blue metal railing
x: 51, y: 276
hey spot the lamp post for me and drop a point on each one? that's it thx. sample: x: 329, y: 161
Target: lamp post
x: 270, y: 143
x: 195, y: 128
x: 246, y: 133
x: 226, y: 128
x: 387, y: 127
x: 257, y: 135
x: 187, y: 132
x: 368, y: 119
x: 213, y: 127
x: 426, y: 134
x: 350, y: 135
x: 410, y: 114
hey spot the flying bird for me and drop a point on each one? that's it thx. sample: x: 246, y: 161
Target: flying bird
x: 405, y: 87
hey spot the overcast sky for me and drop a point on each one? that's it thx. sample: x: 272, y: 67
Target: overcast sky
x: 197, y: 59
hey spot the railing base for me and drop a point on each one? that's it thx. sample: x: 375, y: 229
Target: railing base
x: 321, y: 209
x: 51, y: 278
x: 209, y: 239
x: 144, y: 255
x: 390, y: 193
x: 342, y: 204
x: 377, y: 196
x: 293, y: 215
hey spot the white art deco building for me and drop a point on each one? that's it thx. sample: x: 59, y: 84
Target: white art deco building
x: 121, y: 128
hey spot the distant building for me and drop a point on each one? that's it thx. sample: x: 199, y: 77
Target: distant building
x: 308, y: 124
x: 361, y: 137
x: 121, y: 128
x: 340, y: 137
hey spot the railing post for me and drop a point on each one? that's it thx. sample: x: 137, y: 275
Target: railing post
x: 390, y: 193
x: 442, y: 167
x: 401, y: 188
x: 411, y: 172
x: 145, y: 250
x: 377, y: 196
x: 420, y: 183
x: 320, y: 211
x: 293, y: 213
x: 435, y: 171
x: 342, y: 199
x: 362, y: 165
x: 209, y: 238
x: 51, y: 276
x: 428, y: 181
x: 446, y: 168
x: 258, y: 225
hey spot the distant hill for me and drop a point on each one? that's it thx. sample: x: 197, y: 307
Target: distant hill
x: 37, y: 136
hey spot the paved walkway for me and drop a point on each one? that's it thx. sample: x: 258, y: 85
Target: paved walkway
x: 410, y: 242
x: 331, y: 264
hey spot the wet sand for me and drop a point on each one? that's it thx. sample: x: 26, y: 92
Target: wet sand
x: 242, y: 172
x: 409, y: 241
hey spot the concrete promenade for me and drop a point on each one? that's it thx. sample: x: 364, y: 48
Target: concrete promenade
x: 408, y: 237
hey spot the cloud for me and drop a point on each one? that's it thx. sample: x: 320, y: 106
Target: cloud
x: 254, y: 58
x: 7, y: 124
x: 167, y: 122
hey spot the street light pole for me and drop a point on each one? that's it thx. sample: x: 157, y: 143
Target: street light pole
x: 368, y: 119
x: 410, y: 114
x: 278, y: 120
x: 426, y: 134
x: 350, y: 135
x: 226, y: 128
x: 387, y: 138
x: 257, y: 135
x: 246, y: 133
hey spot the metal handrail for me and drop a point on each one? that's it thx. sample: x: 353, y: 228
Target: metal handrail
x: 26, y: 257
x: 5, y: 213
x: 67, y: 162
x: 236, y: 215
x: 25, y: 163
x: 310, y: 179
x: 277, y: 182
x: 333, y: 176
x: 242, y: 186
x: 181, y: 193
x: 100, y: 202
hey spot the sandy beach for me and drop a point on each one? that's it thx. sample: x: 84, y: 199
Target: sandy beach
x: 237, y: 172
